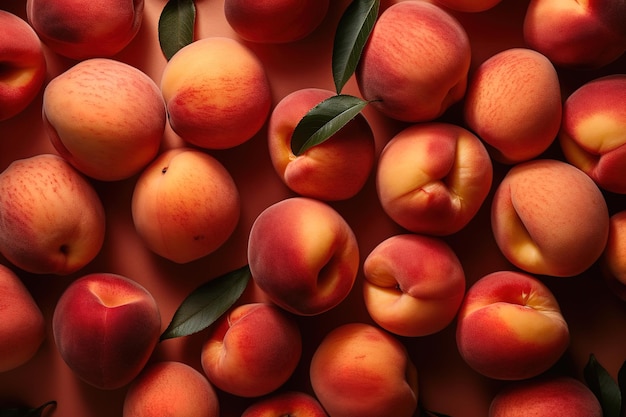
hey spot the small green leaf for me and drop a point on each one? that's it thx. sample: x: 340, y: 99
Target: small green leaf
x: 26, y: 411
x: 604, y: 387
x: 207, y: 303
x: 176, y: 26
x: 353, y: 30
x: 621, y: 382
x: 324, y: 120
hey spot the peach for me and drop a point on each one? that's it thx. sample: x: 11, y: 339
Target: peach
x: 51, y: 218
x: 510, y: 326
x: 360, y: 370
x: 217, y: 93
x: 592, y: 132
x: 414, y: 285
x: 432, y: 178
x: 105, y: 328
x: 304, y: 255
x: 79, y: 29
x: 513, y: 103
x: 276, y: 21
x: 105, y: 117
x: 558, y: 396
x: 172, y: 389
x: 334, y: 170
x: 469, y: 6
x: 550, y: 218
x: 185, y: 205
x: 241, y: 358
x: 415, y: 63
x: 22, y: 65
x: 23, y: 328
x: 287, y: 403
x: 579, y: 34
x: 613, y: 260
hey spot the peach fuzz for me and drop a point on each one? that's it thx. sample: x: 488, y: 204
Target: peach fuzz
x: 559, y: 396
x: 170, y: 389
x: 613, y: 260
x: 22, y: 65
x: 414, y: 285
x: 105, y: 328
x: 105, y: 117
x: 513, y: 103
x: 510, y: 327
x: 432, y: 178
x: 217, y: 93
x: 415, y: 63
x: 469, y: 6
x: 23, y: 327
x: 51, y: 218
x: 80, y: 30
x: 287, y: 403
x: 334, y: 170
x: 579, y: 34
x: 303, y: 255
x: 275, y: 21
x: 185, y: 205
x: 252, y: 350
x: 550, y: 218
x: 361, y: 370
x: 592, y: 132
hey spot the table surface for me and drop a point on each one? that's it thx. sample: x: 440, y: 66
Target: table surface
x: 597, y: 318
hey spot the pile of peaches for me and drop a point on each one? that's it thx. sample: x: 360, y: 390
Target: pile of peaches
x: 204, y: 266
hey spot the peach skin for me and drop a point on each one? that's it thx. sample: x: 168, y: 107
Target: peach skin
x: 287, y: 403
x: 170, y: 389
x: 361, y: 370
x: 415, y: 63
x: 217, y: 93
x: 23, y: 327
x: 414, y: 285
x: 614, y: 256
x: 550, y: 218
x: 303, y: 255
x: 510, y: 326
x: 23, y: 65
x: 334, y: 170
x: 241, y: 358
x: 105, y: 328
x: 51, y: 218
x: 432, y: 178
x: 513, y: 103
x: 592, y: 132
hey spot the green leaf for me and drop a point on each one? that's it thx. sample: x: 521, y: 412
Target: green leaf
x: 353, y: 30
x: 207, y: 303
x: 26, y: 411
x: 604, y: 387
x: 621, y: 382
x: 423, y: 412
x: 324, y: 120
x: 176, y: 26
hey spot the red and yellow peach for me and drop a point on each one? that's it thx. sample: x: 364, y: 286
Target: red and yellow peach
x: 287, y: 403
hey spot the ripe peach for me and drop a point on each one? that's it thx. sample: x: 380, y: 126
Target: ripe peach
x: 80, y: 30
x: 172, y: 389
x: 23, y: 328
x: 22, y: 65
x: 471, y: 6
x: 51, y: 218
x: 360, y: 370
x: 105, y: 328
x: 217, y: 93
x: 415, y: 63
x: 240, y: 356
x: 613, y: 258
x: 334, y: 170
x: 548, y: 217
x: 303, y: 255
x: 276, y: 21
x: 513, y: 103
x: 592, y: 132
x: 185, y: 205
x: 105, y: 117
x: 414, y: 285
x: 287, y: 403
x: 550, y: 396
x: 510, y: 326
x: 432, y: 178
